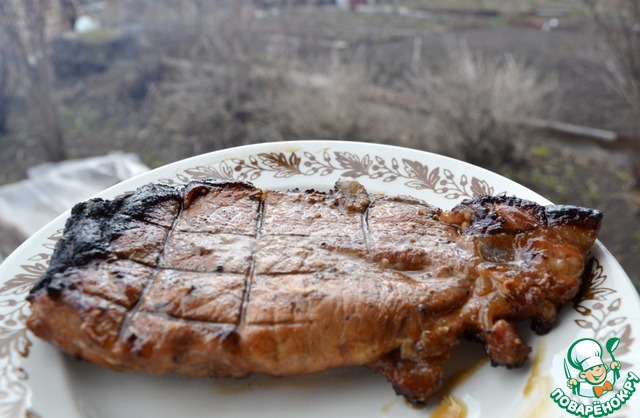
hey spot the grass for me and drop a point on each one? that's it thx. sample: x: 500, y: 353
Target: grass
x: 76, y: 122
x: 455, y: 4
x: 540, y: 151
x: 556, y: 175
x: 24, y: 136
x: 352, y: 26
x: 100, y: 34
x: 552, y: 182
x: 499, y: 21
x: 574, y: 7
x: 624, y: 176
x: 593, y: 193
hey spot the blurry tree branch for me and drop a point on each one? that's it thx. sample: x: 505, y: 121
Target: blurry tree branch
x: 23, y: 25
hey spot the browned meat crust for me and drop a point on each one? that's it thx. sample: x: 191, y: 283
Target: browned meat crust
x: 225, y: 279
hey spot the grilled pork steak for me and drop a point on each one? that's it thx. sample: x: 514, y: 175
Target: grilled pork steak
x: 225, y: 279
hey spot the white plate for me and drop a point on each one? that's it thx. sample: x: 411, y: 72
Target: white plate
x: 36, y: 380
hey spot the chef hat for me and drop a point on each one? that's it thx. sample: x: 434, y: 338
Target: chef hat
x: 585, y: 354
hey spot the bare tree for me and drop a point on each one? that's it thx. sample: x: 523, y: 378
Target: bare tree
x: 69, y: 13
x: 23, y: 24
x: 618, y: 23
x: 7, y: 87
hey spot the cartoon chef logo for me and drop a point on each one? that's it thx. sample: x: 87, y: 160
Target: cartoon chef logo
x: 595, y: 377
x: 593, y: 382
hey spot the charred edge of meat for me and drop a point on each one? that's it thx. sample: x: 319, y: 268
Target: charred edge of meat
x: 541, y: 327
x: 480, y: 203
x: 197, y: 187
x: 573, y: 215
x: 94, y: 224
x: 485, y: 220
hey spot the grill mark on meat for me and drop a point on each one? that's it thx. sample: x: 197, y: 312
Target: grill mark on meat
x: 136, y: 307
x: 162, y: 268
x: 365, y: 232
x: 105, y: 298
x: 168, y: 316
x: 252, y: 267
x: 272, y: 274
x: 101, y: 297
x: 209, y: 233
x: 152, y: 265
x: 280, y: 323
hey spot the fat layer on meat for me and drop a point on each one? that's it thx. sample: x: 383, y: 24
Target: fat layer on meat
x: 225, y: 279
